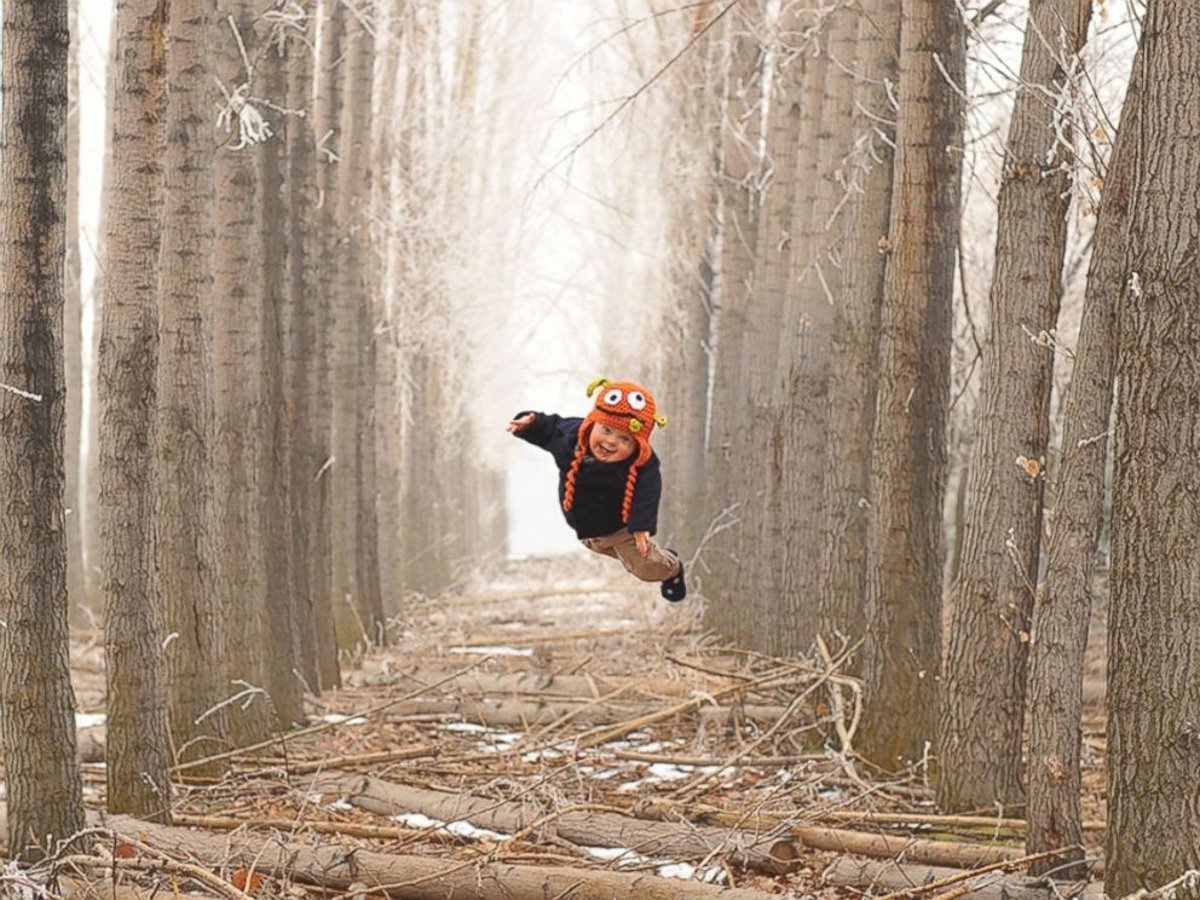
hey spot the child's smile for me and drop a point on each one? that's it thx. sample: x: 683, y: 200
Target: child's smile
x: 610, y: 445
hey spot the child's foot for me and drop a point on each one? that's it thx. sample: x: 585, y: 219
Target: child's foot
x: 674, y: 589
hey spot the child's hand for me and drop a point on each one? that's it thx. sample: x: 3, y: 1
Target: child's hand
x: 641, y: 540
x: 518, y: 424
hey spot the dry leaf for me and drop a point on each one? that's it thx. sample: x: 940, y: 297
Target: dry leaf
x: 246, y: 881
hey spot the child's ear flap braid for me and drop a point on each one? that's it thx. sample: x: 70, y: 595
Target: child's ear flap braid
x: 569, y: 487
x: 627, y: 503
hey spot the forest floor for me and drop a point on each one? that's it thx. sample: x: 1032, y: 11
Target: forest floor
x: 566, y: 733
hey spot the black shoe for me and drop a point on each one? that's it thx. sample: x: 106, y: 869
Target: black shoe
x: 674, y: 589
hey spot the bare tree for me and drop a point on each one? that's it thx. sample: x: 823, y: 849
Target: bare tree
x: 137, y: 743
x: 44, y: 791
x: 73, y: 339
x: 983, y: 699
x: 237, y: 379
x: 905, y: 555
x: 1062, y: 614
x: 1154, y: 621
x: 292, y: 651
x: 805, y: 359
x: 307, y: 314
x: 196, y: 662
x: 737, y: 198
x: 866, y: 177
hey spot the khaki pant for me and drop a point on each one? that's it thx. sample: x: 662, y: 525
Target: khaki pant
x: 657, y: 565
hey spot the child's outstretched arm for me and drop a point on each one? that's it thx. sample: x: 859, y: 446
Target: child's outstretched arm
x: 538, y: 428
x: 520, y: 423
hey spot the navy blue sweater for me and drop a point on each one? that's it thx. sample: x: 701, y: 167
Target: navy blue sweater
x: 599, y: 486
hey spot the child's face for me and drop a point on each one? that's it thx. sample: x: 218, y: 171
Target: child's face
x: 610, y: 445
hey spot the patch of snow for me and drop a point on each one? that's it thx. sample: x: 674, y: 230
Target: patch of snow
x: 466, y: 829
x: 688, y: 872
x: 341, y: 803
x: 467, y: 727
x: 459, y: 828
x: 492, y: 651
x: 87, y: 720
x: 621, y: 855
x: 416, y: 820
x: 339, y: 719
x: 538, y: 755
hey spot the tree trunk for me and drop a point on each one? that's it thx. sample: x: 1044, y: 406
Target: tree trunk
x: 983, y: 698
x: 738, y: 196
x: 195, y: 655
x: 289, y: 654
x: 867, y: 171
x: 138, y: 743
x: 1063, y: 612
x: 237, y: 397
x: 756, y: 545
x: 44, y: 791
x: 306, y: 367
x: 322, y: 260
x: 1154, y: 621
x: 806, y: 348
x: 904, y: 562
x: 77, y: 599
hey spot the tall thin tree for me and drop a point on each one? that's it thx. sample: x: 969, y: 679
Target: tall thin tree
x: 983, y: 699
x: 1153, y: 741
x: 237, y: 380
x: 1063, y: 613
x: 196, y: 660
x: 137, y: 740
x: 866, y: 173
x: 44, y: 790
x: 902, y: 650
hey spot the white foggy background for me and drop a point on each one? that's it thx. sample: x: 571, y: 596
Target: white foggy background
x: 582, y: 266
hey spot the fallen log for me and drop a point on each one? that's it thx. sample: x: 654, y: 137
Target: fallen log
x: 840, y: 840
x: 899, y: 877
x: 577, y: 686
x: 763, y: 852
x: 339, y: 867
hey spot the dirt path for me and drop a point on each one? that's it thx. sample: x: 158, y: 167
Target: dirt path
x: 564, y: 715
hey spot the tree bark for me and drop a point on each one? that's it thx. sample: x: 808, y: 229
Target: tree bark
x: 44, y: 791
x: 308, y: 382
x: 1063, y: 612
x: 806, y: 348
x: 196, y: 663
x: 739, y: 173
x: 901, y: 653
x: 756, y: 545
x: 237, y: 394
x: 77, y: 599
x: 138, y: 746
x: 1154, y: 621
x: 867, y: 171
x: 983, y: 699
x: 291, y: 649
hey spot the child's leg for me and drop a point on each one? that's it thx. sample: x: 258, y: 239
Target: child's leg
x: 657, y: 565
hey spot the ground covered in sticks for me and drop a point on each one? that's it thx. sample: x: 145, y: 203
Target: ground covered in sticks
x: 562, y: 732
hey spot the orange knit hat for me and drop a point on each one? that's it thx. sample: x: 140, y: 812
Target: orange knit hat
x: 624, y: 406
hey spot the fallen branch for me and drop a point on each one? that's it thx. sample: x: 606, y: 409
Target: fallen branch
x: 902, y: 878
x: 751, y: 850
x: 336, y: 867
x: 840, y: 840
